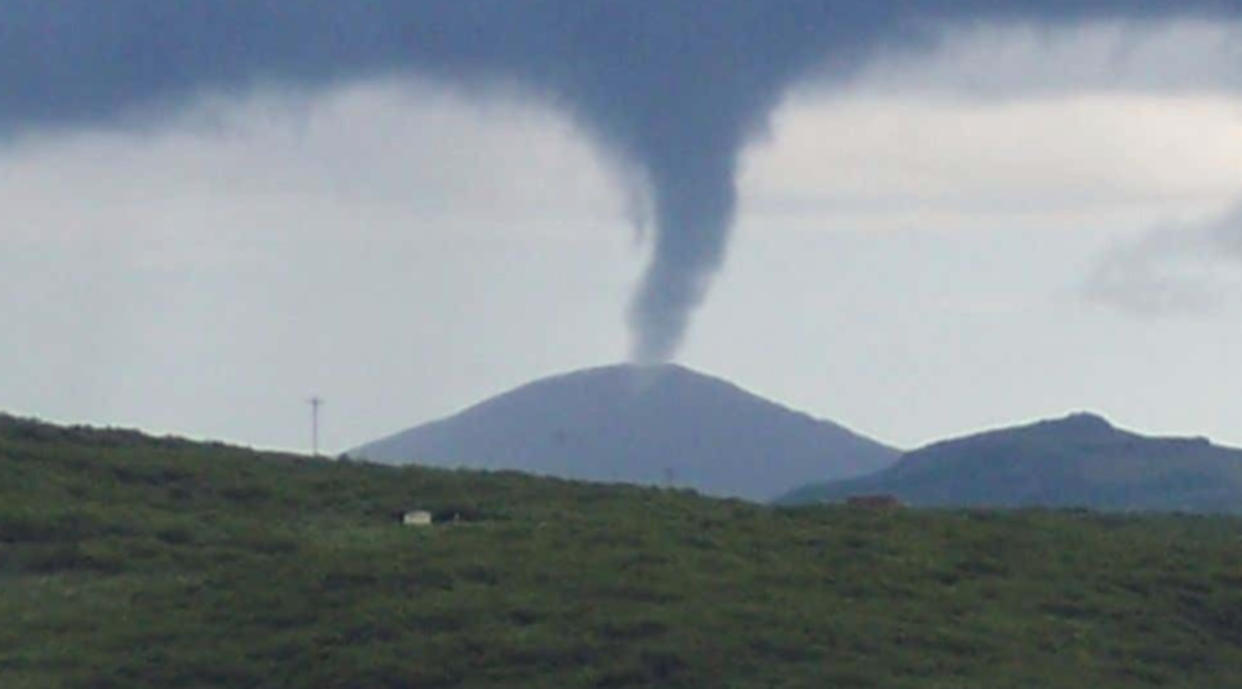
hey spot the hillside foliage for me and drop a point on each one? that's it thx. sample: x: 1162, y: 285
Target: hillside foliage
x: 128, y: 561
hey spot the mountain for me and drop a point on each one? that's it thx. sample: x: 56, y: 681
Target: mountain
x: 652, y: 425
x: 1078, y: 461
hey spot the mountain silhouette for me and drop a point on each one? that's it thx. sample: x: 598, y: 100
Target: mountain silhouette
x: 1077, y: 461
x: 663, y: 425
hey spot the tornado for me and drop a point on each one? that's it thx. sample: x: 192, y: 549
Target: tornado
x: 675, y: 88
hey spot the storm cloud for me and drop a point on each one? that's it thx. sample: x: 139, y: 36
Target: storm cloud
x: 1173, y: 270
x: 675, y: 88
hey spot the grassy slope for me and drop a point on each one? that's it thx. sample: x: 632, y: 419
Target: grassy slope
x: 127, y: 562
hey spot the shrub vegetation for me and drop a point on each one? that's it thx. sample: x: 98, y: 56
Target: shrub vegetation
x: 128, y: 561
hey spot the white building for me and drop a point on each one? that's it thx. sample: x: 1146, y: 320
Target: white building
x: 416, y: 518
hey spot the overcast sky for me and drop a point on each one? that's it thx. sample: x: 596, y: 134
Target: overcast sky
x: 1023, y: 222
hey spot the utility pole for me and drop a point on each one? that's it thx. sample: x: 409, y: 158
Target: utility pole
x: 315, y: 403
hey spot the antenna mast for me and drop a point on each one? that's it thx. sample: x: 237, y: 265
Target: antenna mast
x: 315, y: 403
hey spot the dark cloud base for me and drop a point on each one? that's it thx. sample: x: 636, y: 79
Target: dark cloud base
x: 675, y: 87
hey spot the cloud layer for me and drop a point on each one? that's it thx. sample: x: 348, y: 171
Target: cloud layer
x: 674, y: 88
x: 1175, y: 270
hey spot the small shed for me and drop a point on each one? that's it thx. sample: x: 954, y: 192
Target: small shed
x: 416, y: 518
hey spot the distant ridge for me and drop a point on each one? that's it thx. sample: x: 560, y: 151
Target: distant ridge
x: 652, y: 425
x: 1078, y: 461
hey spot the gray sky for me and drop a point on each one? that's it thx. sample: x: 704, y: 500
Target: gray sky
x: 1024, y: 222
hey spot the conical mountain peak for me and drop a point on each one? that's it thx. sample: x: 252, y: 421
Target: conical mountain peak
x: 663, y: 424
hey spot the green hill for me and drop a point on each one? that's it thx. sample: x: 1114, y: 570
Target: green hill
x: 1077, y: 461
x: 128, y: 561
